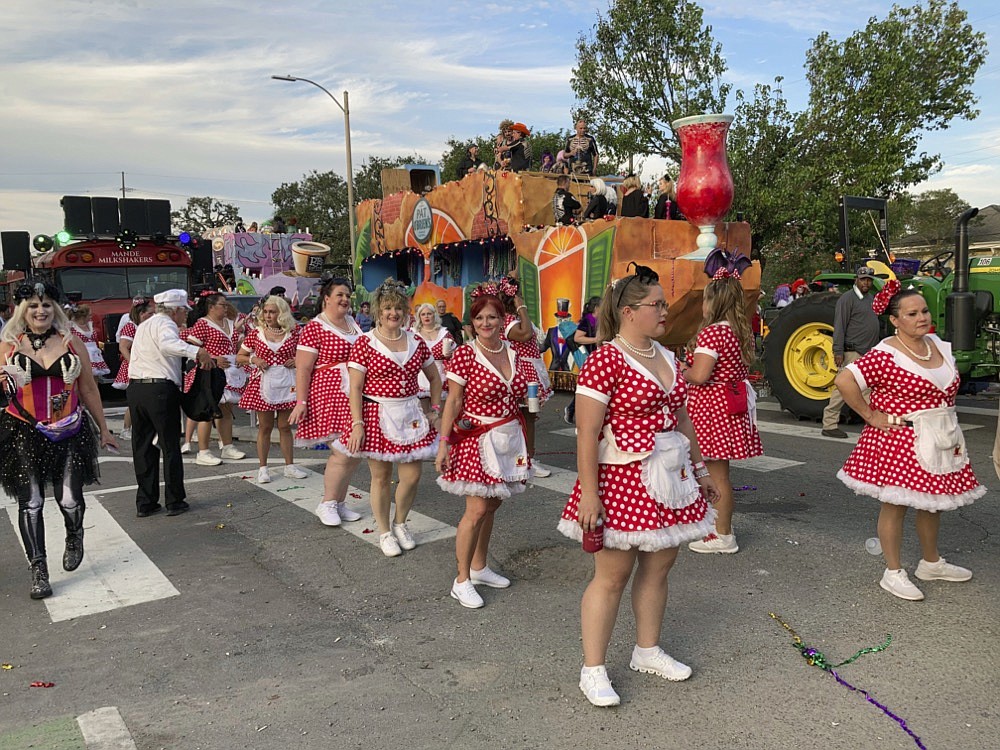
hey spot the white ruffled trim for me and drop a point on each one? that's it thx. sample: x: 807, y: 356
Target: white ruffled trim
x: 651, y: 540
x: 120, y: 386
x: 902, y: 496
x: 419, y: 454
x: 503, y: 490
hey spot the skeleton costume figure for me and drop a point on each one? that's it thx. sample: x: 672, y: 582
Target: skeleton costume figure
x: 45, y: 434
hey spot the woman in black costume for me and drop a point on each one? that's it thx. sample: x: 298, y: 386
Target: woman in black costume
x: 45, y: 435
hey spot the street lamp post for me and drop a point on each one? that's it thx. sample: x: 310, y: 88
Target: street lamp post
x: 345, y: 108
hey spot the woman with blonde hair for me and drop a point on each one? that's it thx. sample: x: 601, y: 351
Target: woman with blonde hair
x: 439, y: 341
x: 269, y: 348
x: 603, y: 200
x: 642, y: 489
x: 666, y: 203
x: 388, y: 426
x: 721, y: 402
x: 634, y: 202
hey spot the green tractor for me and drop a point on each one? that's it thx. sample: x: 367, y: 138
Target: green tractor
x: 963, y: 297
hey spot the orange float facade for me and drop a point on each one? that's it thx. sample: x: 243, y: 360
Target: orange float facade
x: 481, y: 227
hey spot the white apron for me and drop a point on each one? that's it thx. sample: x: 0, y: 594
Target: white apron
x: 502, y: 450
x: 401, y: 420
x: 938, y: 440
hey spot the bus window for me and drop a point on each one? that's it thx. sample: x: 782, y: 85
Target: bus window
x: 147, y: 281
x: 94, y: 283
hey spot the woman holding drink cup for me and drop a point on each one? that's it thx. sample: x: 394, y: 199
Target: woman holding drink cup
x: 641, y: 480
x: 523, y: 338
x: 483, y: 454
x: 438, y: 340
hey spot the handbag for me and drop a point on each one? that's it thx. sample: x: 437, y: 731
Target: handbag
x: 62, y: 429
x: 737, y: 401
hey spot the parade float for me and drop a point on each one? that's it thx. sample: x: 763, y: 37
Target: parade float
x: 454, y: 236
x: 261, y: 261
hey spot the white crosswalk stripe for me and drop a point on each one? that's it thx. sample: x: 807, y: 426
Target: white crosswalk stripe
x: 115, y: 571
x: 307, y: 493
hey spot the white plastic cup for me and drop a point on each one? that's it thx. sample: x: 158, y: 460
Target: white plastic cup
x: 873, y: 546
x: 533, y: 404
x: 447, y: 345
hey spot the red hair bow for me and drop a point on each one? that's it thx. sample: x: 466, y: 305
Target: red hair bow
x: 208, y: 293
x: 881, y: 302
x: 483, y: 289
x: 725, y: 273
x: 508, y: 286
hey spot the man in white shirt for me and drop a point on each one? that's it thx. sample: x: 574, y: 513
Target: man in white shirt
x: 154, y: 398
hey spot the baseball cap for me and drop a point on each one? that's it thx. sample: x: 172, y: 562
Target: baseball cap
x: 865, y: 272
x: 173, y: 298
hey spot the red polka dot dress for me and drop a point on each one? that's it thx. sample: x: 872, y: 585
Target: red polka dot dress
x: 495, y: 464
x: 722, y: 436
x: 436, y: 345
x: 121, y: 379
x: 328, y: 414
x: 529, y: 352
x: 275, y: 354
x: 638, y: 409
x: 90, y: 340
x: 396, y: 428
x: 884, y: 464
x: 219, y: 342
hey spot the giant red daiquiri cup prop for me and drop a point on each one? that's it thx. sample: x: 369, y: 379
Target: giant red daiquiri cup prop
x: 704, y: 186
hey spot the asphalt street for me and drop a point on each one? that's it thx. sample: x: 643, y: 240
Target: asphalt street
x: 248, y: 624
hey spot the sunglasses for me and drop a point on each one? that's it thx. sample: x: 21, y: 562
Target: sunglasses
x: 646, y: 275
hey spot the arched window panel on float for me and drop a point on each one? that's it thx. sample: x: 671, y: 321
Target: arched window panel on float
x: 405, y: 265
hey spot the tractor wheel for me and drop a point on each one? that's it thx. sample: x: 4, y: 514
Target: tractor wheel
x: 798, y: 355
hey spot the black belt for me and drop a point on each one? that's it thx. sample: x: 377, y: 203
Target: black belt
x: 151, y: 380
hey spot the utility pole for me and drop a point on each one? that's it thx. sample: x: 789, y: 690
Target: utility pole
x: 123, y: 184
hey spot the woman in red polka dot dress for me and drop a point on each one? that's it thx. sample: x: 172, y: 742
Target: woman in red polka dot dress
x: 83, y: 327
x: 269, y: 350
x: 912, y: 453
x: 523, y: 338
x: 322, y: 413
x: 439, y: 341
x: 641, y: 479
x: 214, y: 331
x: 388, y: 425
x: 483, y: 454
x: 721, y: 402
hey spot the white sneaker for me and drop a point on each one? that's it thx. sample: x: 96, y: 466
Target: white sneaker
x: 541, y: 470
x: 389, y: 545
x: 403, y: 535
x: 596, y: 686
x: 328, y: 514
x: 263, y: 475
x: 294, y: 472
x: 346, y: 514
x: 126, y: 433
x: 659, y: 663
x: 724, y: 544
x: 207, y: 458
x: 942, y: 571
x: 466, y: 594
x: 185, y: 447
x: 897, y: 583
x: 231, y: 453
x: 489, y: 578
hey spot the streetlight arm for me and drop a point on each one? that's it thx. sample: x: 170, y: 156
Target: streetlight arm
x: 306, y: 80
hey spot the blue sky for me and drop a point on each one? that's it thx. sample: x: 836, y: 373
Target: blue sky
x: 177, y: 94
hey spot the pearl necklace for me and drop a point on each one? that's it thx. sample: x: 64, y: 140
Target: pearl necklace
x: 275, y: 329
x: 487, y: 349
x: 349, y: 330
x: 921, y: 357
x: 387, y: 338
x: 648, y: 353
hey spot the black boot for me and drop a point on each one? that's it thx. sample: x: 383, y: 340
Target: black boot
x: 73, y: 555
x: 40, y: 587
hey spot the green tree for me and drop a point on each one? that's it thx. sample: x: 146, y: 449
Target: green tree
x: 318, y: 201
x: 874, y: 95
x: 203, y: 213
x: 645, y: 64
x: 928, y: 218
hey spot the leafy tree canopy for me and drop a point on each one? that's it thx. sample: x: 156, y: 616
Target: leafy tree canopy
x: 645, y: 64
x: 200, y: 214
x: 368, y: 179
x: 318, y: 201
x: 928, y: 218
